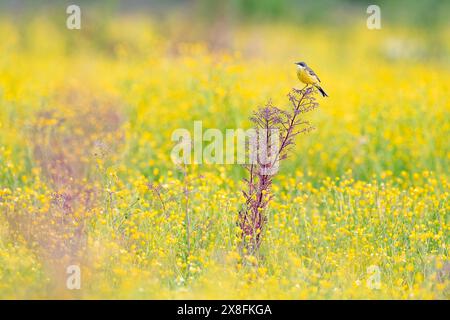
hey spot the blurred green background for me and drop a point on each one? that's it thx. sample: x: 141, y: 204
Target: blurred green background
x: 420, y: 13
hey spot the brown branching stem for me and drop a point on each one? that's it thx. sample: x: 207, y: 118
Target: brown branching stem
x: 270, y: 120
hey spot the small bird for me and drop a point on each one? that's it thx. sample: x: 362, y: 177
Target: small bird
x: 307, y: 76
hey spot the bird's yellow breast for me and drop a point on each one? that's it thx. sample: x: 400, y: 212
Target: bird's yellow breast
x: 305, y: 77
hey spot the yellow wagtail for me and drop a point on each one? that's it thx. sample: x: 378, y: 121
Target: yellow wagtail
x: 308, y: 77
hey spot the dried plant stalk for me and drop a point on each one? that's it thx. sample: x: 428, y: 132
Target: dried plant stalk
x: 275, y: 130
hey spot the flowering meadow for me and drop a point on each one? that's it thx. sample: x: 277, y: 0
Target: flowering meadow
x: 360, y: 208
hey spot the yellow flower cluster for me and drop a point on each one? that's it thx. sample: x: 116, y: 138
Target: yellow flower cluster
x: 360, y: 210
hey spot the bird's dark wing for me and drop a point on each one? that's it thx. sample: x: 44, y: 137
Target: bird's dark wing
x: 311, y: 72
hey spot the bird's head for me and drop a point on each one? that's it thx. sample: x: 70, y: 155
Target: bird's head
x: 301, y: 64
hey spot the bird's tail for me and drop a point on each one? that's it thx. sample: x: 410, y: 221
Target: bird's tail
x: 324, y: 94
